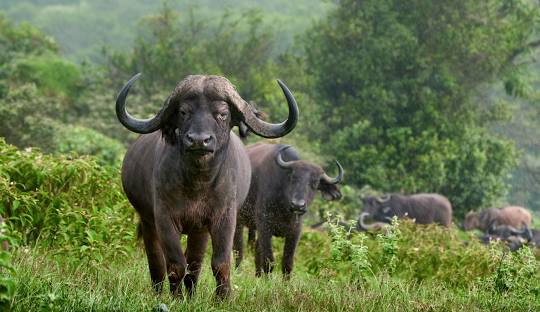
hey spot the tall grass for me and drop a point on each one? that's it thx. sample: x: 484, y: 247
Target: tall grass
x: 74, y: 250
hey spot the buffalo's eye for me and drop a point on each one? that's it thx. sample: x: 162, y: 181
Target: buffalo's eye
x: 184, y: 112
x: 222, y: 115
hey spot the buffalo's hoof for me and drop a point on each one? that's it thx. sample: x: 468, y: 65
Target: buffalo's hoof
x: 162, y: 307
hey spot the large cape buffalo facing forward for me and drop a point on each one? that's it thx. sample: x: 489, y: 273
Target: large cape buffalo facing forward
x: 513, y: 216
x: 188, y: 174
x: 422, y: 208
x: 282, y: 188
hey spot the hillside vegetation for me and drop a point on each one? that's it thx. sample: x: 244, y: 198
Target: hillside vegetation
x: 409, y: 95
x: 84, y: 27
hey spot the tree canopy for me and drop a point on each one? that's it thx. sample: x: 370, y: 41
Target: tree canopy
x: 397, y: 80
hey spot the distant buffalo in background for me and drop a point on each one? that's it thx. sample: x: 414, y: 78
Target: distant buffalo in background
x: 423, y: 208
x: 512, y: 237
x: 513, y: 216
x: 282, y: 188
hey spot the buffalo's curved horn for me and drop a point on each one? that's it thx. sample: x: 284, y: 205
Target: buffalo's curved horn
x: 335, y: 180
x: 139, y: 125
x: 383, y: 199
x: 373, y: 226
x: 268, y: 130
x: 524, y: 232
x: 279, y: 159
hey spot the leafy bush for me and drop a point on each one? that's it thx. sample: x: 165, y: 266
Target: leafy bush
x: 85, y: 141
x: 7, y: 284
x: 73, y: 205
x: 418, y: 253
x: 26, y: 118
x: 52, y: 74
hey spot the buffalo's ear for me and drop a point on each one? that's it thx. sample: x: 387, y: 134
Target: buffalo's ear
x: 168, y: 130
x: 329, y: 191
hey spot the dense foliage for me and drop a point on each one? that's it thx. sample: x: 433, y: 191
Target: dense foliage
x: 72, y: 205
x: 72, y: 214
x: 397, y: 81
x: 410, y: 96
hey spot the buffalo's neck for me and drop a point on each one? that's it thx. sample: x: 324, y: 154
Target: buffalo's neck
x: 191, y: 174
x: 197, y: 175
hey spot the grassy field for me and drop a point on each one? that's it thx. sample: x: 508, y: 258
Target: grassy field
x: 74, y: 249
x: 47, y: 282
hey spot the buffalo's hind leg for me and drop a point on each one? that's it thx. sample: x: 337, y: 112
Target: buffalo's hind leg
x: 251, y: 238
x: 154, y: 254
x: 264, y: 257
x: 238, y: 246
x: 196, y: 247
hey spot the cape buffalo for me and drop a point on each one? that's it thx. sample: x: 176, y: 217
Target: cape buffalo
x: 423, y: 208
x: 188, y: 174
x: 282, y: 188
x: 514, y: 238
x: 514, y: 216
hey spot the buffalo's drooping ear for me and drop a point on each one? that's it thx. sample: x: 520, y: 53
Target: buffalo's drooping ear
x: 328, y: 185
x: 329, y: 191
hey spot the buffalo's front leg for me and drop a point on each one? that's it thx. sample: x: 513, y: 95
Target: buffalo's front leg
x: 291, y: 241
x: 196, y: 246
x: 222, y: 233
x: 154, y: 253
x: 169, y: 234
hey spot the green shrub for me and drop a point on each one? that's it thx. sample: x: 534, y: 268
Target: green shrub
x: 52, y: 74
x: 418, y: 253
x: 70, y: 204
x: 7, y: 272
x: 26, y: 118
x: 85, y: 141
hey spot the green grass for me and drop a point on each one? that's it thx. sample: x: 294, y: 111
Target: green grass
x: 74, y: 249
x: 49, y: 283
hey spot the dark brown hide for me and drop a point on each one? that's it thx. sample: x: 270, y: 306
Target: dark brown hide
x: 190, y: 177
x: 514, y: 216
x: 278, y: 197
x: 423, y: 208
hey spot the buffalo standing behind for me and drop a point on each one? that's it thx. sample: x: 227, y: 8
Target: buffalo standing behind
x: 282, y: 188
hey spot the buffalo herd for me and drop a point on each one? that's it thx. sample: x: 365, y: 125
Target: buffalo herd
x: 189, y: 173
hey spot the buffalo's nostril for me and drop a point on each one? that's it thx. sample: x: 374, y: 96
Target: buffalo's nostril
x: 298, y: 203
x: 198, y: 139
x: 207, y: 141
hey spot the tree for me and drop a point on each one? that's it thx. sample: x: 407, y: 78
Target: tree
x: 397, y: 80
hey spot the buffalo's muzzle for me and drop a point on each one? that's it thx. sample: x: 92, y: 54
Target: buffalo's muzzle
x: 199, y: 142
x: 298, y: 206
